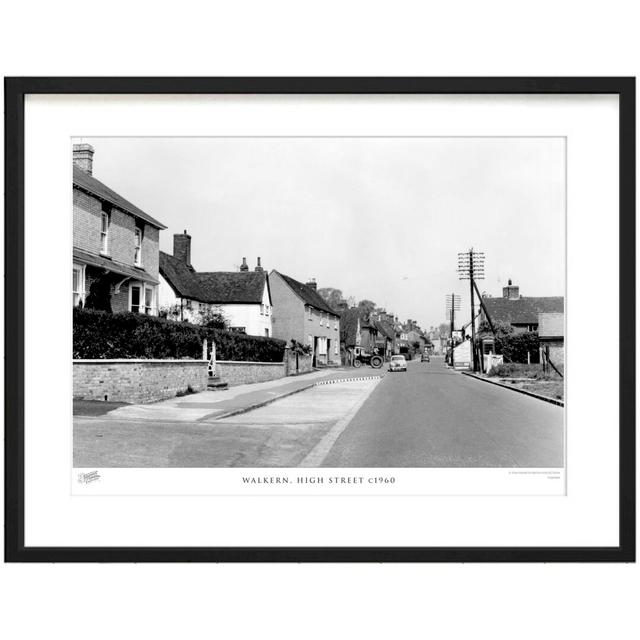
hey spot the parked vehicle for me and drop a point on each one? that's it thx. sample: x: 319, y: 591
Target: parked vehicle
x: 397, y: 363
x: 425, y: 357
x: 363, y: 357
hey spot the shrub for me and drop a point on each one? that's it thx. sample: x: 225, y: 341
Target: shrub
x: 514, y: 347
x: 102, y: 335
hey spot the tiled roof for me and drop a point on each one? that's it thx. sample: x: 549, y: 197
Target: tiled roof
x: 384, y: 329
x: 309, y: 296
x: 88, y: 183
x: 349, y: 326
x: 112, y: 265
x: 181, y: 278
x: 524, y: 310
x: 232, y: 287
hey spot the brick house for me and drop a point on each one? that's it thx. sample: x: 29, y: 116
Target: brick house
x: 301, y: 314
x: 243, y: 297
x: 115, y: 245
x: 519, y: 311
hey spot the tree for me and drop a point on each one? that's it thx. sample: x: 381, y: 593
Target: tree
x: 213, y: 318
x: 331, y: 296
x: 366, y: 307
x: 501, y: 328
x: 99, y: 296
x: 444, y: 329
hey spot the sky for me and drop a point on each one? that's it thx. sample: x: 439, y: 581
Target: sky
x: 378, y: 218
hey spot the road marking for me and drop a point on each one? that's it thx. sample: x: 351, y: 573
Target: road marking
x: 317, y: 455
x: 359, y: 379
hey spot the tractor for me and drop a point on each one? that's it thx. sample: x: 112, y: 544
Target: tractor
x: 364, y: 357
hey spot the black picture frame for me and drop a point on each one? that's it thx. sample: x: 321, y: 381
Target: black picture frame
x: 15, y: 91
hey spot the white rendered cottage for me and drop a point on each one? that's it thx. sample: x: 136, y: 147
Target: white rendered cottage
x: 242, y: 297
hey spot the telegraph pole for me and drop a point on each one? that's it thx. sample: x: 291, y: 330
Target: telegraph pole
x: 471, y: 267
x: 453, y: 305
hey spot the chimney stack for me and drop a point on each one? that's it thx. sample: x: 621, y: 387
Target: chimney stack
x: 244, y: 266
x: 312, y: 283
x: 258, y: 266
x: 182, y: 247
x: 83, y: 157
x: 511, y: 292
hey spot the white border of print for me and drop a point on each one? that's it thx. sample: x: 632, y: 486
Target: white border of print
x: 586, y: 516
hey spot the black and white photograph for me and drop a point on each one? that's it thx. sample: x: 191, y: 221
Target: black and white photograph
x: 363, y: 320
x: 319, y: 302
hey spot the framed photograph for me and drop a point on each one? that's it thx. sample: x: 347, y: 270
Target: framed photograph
x: 320, y: 319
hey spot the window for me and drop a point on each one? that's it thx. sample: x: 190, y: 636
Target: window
x: 78, y: 285
x: 104, y: 233
x: 135, y: 298
x: 261, y: 309
x: 148, y: 300
x: 309, y: 313
x: 143, y: 298
x: 238, y: 329
x: 137, y: 251
x: 335, y: 349
x: 266, y: 333
x: 335, y: 324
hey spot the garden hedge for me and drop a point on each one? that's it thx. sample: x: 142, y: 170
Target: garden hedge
x: 514, y: 347
x: 103, y: 335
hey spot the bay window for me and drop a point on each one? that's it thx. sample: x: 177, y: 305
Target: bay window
x: 142, y: 298
x: 78, y: 285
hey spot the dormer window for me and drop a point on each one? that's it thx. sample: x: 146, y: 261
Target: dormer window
x: 104, y: 233
x: 137, y: 244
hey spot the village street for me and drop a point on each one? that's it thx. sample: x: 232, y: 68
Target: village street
x: 429, y: 416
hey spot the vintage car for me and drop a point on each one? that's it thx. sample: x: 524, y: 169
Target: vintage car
x: 397, y: 363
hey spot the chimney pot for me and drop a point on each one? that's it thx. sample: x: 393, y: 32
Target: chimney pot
x: 244, y: 266
x: 312, y: 283
x: 83, y: 157
x: 258, y: 266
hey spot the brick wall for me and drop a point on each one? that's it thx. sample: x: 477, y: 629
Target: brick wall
x: 87, y: 221
x: 136, y: 381
x: 303, y: 363
x: 556, y: 350
x: 249, y: 372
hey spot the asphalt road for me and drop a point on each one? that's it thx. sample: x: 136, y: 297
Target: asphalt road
x: 434, y: 417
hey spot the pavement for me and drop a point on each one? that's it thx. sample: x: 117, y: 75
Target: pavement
x: 429, y: 416
x: 278, y: 434
x: 211, y: 405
